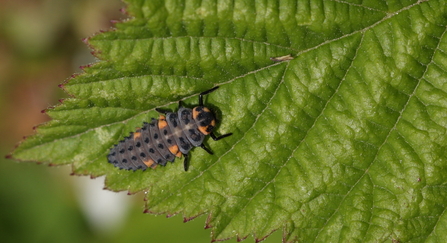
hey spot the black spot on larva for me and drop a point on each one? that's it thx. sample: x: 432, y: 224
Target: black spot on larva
x: 173, y: 120
x: 169, y: 141
x: 134, y: 158
x: 184, y: 144
x: 146, y: 140
x: 138, y: 145
x: 185, y: 116
x: 142, y: 155
x: 113, y: 154
x: 155, y: 135
x: 194, y: 136
x: 151, y: 150
x: 210, y: 128
x: 199, y: 108
x: 168, y: 156
x: 165, y: 132
x: 152, y: 124
x: 121, y: 151
x: 159, y: 161
x: 140, y: 167
x: 115, y: 162
x: 124, y: 160
x: 161, y: 146
x: 205, y: 118
x: 130, y: 148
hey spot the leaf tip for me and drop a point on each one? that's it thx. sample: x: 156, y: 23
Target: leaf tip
x: 85, y: 40
x: 45, y: 111
x: 265, y: 237
x: 95, y: 53
x: 207, y: 222
x: 147, y: 211
x: 259, y: 240
x: 123, y: 11
x: 185, y: 219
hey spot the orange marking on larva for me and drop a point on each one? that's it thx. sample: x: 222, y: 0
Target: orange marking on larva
x: 136, y: 135
x: 178, y: 154
x: 203, y: 129
x: 173, y: 149
x: 149, y: 162
x: 195, y: 113
x: 162, y: 122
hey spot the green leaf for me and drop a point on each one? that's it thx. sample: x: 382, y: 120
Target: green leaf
x: 346, y: 142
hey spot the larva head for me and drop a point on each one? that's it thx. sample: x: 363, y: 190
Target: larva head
x: 204, y: 119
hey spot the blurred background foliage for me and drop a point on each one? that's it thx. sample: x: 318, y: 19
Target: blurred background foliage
x: 40, y: 47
